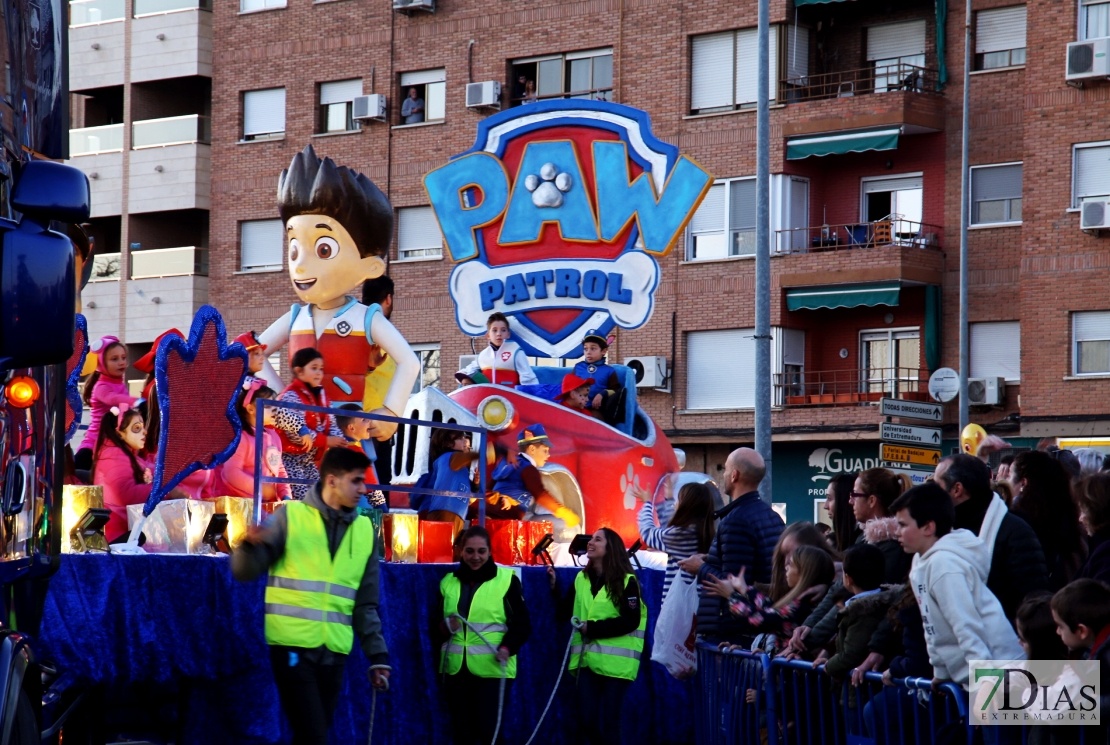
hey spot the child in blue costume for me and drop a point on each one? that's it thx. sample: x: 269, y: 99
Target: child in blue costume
x: 449, y: 472
x: 607, y: 395
x: 517, y: 481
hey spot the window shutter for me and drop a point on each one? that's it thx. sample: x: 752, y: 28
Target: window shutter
x: 894, y: 40
x: 711, y: 83
x: 996, y: 350
x: 892, y: 184
x: 797, y: 53
x: 1092, y: 326
x: 262, y: 243
x: 742, y: 204
x: 1092, y: 171
x: 996, y: 182
x: 1000, y: 30
x: 747, y: 65
x: 423, y: 77
x: 340, y: 91
x: 264, y: 112
x: 417, y: 229
x: 719, y: 371
x: 710, y: 216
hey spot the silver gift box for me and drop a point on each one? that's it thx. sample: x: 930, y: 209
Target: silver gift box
x: 175, y: 527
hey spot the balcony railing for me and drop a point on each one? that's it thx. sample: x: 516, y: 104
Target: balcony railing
x: 169, y: 262
x: 92, y: 140
x: 174, y: 130
x: 106, y: 268
x: 850, y: 387
x: 153, y: 7
x: 890, y: 231
x: 87, y: 12
x: 847, y: 83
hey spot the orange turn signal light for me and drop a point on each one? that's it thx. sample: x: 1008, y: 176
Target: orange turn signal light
x: 22, y: 391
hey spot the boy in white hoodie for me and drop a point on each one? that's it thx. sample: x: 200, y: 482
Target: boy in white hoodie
x: 963, y: 620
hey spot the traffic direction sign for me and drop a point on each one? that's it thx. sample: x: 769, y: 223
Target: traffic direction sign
x: 911, y: 409
x: 905, y: 454
x: 927, y: 436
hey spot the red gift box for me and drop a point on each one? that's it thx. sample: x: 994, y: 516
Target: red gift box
x: 436, y: 539
x: 537, y: 529
x: 508, y: 540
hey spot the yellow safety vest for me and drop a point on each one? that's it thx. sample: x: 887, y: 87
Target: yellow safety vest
x: 310, y: 597
x: 616, y: 657
x: 487, y: 615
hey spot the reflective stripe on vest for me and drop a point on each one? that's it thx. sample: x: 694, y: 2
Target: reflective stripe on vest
x: 310, y: 597
x: 616, y: 657
x: 487, y: 616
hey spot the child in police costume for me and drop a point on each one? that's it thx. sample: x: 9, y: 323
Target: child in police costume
x: 609, y: 639
x: 320, y: 542
x: 338, y: 225
x: 503, y: 362
x: 518, y: 485
x: 607, y: 395
x: 490, y: 598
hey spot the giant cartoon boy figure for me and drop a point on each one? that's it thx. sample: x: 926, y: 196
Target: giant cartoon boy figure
x: 338, y: 225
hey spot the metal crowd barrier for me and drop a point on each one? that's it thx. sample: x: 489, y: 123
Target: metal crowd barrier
x: 746, y: 697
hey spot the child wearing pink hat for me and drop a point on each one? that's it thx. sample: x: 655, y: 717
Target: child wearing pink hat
x: 104, y: 389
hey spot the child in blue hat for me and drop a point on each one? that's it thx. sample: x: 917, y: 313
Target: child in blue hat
x: 517, y: 482
x: 607, y: 395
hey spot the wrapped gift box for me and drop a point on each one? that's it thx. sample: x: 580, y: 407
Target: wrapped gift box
x: 436, y: 539
x: 537, y: 529
x: 509, y: 541
x: 402, y: 536
x: 240, y: 516
x: 175, y: 527
x: 75, y: 501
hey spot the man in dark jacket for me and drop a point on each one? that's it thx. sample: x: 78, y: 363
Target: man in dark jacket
x: 1017, y: 561
x: 323, y: 586
x: 746, y: 536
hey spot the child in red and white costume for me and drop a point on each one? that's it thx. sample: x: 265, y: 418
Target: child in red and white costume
x: 502, y: 362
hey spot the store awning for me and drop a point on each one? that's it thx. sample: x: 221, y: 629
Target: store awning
x: 842, y: 142
x: 842, y: 296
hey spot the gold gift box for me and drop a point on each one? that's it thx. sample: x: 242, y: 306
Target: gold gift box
x: 75, y: 501
x: 240, y: 516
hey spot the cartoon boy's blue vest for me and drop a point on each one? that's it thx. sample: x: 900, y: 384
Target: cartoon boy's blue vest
x: 508, y: 480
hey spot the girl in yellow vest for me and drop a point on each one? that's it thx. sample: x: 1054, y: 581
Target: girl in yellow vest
x: 489, y: 597
x: 611, y: 620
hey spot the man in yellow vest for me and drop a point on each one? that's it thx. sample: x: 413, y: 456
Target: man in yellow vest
x: 321, y: 592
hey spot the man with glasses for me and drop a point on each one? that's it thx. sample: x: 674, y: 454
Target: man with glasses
x: 1017, y: 565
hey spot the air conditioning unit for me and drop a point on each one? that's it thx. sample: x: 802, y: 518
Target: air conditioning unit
x: 986, y: 391
x: 405, y: 6
x: 1088, y: 59
x: 371, y: 107
x: 1094, y: 214
x: 651, y: 372
x: 484, y: 95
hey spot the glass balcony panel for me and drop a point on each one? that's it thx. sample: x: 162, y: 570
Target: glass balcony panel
x: 105, y: 267
x: 150, y: 7
x: 90, y: 140
x: 169, y: 262
x: 85, y: 12
x: 174, y: 130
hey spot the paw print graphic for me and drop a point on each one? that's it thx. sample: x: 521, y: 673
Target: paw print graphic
x: 548, y: 188
x: 630, y: 482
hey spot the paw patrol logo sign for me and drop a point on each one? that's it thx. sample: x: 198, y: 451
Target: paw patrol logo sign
x: 556, y: 217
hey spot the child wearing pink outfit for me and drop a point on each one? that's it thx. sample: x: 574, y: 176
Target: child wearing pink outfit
x: 118, y: 467
x: 235, y: 478
x: 104, y: 389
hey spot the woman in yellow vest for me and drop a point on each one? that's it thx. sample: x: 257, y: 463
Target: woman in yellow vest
x: 608, y: 640
x: 489, y: 597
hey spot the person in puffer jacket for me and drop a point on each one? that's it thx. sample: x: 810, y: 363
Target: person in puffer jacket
x: 969, y: 624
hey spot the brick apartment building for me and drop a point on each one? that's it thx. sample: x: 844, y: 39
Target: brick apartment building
x: 865, y: 157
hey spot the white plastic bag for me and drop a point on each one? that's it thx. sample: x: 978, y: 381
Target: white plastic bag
x: 673, y: 645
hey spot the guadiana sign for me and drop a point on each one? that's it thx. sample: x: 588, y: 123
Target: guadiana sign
x: 556, y: 217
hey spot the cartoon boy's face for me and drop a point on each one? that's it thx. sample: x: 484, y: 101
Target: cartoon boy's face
x: 324, y: 262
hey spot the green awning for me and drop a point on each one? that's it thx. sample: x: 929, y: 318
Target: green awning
x: 842, y: 296
x: 842, y: 142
